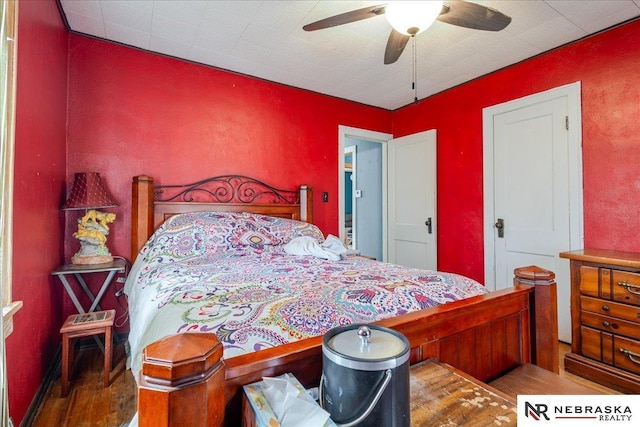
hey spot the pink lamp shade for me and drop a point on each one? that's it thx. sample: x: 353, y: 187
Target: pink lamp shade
x: 88, y: 193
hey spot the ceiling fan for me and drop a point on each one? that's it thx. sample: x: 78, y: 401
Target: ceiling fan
x: 409, y: 18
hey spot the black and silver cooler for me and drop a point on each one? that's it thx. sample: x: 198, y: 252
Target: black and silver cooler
x: 365, y: 376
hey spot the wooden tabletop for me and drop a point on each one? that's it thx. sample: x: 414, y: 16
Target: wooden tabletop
x: 443, y: 396
x: 604, y: 256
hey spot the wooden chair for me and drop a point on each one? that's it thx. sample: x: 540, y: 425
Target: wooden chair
x: 84, y: 325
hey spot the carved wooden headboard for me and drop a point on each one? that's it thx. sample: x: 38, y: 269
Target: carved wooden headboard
x: 153, y: 204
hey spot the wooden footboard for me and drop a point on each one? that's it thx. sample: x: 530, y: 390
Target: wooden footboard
x: 484, y: 336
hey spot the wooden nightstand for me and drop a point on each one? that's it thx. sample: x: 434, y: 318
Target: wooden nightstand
x: 605, y: 318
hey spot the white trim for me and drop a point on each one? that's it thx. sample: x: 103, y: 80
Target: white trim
x: 576, y: 230
x: 8, y: 136
x: 380, y: 137
x: 353, y: 150
x: 7, y: 316
x: 304, y: 191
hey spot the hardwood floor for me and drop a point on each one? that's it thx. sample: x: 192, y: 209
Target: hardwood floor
x: 89, y: 404
x: 564, y: 349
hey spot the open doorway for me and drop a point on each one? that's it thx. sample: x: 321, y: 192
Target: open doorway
x: 362, y: 180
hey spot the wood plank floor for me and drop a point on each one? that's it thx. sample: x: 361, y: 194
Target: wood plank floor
x: 89, y: 404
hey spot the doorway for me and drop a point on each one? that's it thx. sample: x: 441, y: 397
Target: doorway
x: 533, y: 189
x: 368, y: 225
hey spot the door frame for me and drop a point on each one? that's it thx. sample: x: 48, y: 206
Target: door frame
x: 352, y: 149
x: 576, y: 230
x: 345, y: 132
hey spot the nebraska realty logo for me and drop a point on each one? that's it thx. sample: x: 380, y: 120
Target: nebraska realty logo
x: 579, y: 411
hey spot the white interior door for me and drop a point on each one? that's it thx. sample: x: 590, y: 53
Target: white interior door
x: 534, y: 194
x: 412, y: 200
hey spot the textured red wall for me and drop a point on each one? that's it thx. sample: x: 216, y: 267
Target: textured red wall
x: 132, y: 113
x: 607, y: 65
x: 39, y: 184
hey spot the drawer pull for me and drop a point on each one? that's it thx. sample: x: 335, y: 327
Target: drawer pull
x: 631, y: 355
x: 606, y: 324
x: 605, y: 308
x: 628, y: 286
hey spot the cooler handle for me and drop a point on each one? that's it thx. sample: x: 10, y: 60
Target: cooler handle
x: 383, y: 386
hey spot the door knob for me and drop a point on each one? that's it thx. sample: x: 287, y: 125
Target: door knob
x: 428, y: 224
x: 500, y: 226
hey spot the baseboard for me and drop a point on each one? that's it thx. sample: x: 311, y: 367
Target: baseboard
x: 601, y: 373
x: 49, y: 377
x: 53, y: 373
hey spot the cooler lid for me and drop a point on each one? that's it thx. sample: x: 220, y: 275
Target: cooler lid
x: 368, y: 342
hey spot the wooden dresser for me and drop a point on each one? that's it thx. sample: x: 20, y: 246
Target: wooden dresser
x: 605, y: 318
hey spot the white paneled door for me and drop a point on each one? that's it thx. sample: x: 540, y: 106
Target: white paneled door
x: 412, y: 200
x: 532, y: 195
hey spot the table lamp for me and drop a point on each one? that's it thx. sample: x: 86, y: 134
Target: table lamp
x: 89, y: 193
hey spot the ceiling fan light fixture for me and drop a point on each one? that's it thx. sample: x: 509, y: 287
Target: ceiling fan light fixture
x: 412, y: 17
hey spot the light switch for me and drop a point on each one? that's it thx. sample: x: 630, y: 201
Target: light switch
x: 358, y: 193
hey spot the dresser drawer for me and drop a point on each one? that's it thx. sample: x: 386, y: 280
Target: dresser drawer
x: 597, y: 345
x: 609, y: 308
x: 621, y: 352
x: 627, y: 354
x: 589, y: 281
x: 610, y: 324
x: 626, y: 287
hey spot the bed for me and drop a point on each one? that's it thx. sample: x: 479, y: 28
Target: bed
x: 238, y: 241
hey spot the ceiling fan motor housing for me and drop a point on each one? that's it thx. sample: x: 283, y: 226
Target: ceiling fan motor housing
x: 412, y: 17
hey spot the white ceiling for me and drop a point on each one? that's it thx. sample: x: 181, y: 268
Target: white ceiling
x: 265, y: 39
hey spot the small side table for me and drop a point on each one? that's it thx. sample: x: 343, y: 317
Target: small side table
x: 111, y: 268
x: 84, y: 325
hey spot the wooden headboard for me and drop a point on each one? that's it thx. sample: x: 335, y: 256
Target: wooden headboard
x: 152, y: 204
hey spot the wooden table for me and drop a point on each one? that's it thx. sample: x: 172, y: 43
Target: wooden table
x: 443, y: 396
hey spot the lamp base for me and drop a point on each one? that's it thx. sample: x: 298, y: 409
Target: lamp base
x: 95, y: 259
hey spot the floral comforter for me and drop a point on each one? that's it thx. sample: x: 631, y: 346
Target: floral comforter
x: 228, y: 274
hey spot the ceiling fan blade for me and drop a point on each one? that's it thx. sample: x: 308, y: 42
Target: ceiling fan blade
x: 473, y: 15
x: 395, y: 46
x: 345, y: 18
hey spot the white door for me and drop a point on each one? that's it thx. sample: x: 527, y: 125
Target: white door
x: 533, y: 191
x: 412, y: 200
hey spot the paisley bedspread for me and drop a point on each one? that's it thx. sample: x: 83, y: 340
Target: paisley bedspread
x: 228, y: 274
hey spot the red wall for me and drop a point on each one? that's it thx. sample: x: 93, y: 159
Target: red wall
x: 608, y: 65
x: 39, y: 183
x: 133, y: 112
